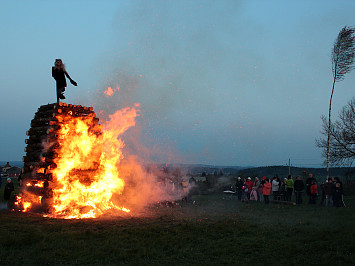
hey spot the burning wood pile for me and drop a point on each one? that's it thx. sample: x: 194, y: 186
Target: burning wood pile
x: 43, y: 149
x: 72, y: 163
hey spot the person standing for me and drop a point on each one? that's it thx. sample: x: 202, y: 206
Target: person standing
x: 238, y: 187
x: 314, y: 192
x: 256, y: 186
x: 299, y: 187
x: 339, y: 188
x: 282, y: 190
x: 249, y: 183
x: 260, y: 189
x: 59, y: 73
x: 337, y: 195
x: 266, y: 191
x: 329, y: 191
x: 289, y: 186
x: 275, y: 187
x: 245, y: 193
x: 323, y: 194
x: 309, y: 183
x: 9, y: 187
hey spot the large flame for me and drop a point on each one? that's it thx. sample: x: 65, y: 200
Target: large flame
x: 87, y: 173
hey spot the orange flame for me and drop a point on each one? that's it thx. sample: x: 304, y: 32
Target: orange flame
x: 24, y: 204
x: 87, y: 173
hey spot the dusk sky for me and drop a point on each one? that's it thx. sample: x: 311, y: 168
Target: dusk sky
x: 240, y: 83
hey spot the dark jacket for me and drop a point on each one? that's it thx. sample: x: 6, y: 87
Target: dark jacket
x: 59, y: 76
x: 8, y: 189
x: 309, y: 182
x: 298, y: 185
x: 239, y: 185
x: 329, y: 188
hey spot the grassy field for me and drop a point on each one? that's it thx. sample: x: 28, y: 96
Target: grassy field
x: 219, y: 230
x: 216, y: 231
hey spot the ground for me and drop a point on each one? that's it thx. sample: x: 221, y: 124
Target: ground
x: 219, y: 230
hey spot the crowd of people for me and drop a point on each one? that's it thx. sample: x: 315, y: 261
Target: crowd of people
x: 330, y: 191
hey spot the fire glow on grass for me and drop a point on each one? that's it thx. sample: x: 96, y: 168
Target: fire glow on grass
x: 87, y: 173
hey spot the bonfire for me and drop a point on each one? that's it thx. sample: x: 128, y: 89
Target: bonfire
x: 71, y: 167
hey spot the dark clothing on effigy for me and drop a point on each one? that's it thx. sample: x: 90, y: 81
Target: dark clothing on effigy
x: 59, y: 76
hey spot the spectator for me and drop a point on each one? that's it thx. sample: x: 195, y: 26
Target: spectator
x: 238, y: 187
x: 260, y: 189
x: 323, y: 196
x: 309, y: 183
x: 266, y: 191
x: 299, y: 187
x: 245, y: 193
x: 329, y: 191
x: 275, y: 187
x: 289, y: 188
x: 249, y: 183
x: 314, y: 192
x: 20, y: 178
x: 185, y: 189
x: 255, y: 188
x: 9, y: 187
x: 282, y: 191
x: 337, y: 195
x: 337, y: 181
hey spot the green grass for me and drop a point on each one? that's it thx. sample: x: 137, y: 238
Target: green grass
x: 219, y: 230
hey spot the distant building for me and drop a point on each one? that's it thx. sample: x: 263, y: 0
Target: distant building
x: 10, y: 171
x: 13, y: 171
x: 7, y: 166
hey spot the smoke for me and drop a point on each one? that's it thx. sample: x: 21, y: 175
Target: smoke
x: 174, y: 59
x: 142, y: 187
x: 198, y: 66
x: 163, y: 58
x: 166, y: 52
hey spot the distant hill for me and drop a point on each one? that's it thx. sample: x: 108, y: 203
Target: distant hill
x: 195, y: 169
x: 283, y: 171
x: 268, y: 171
x: 347, y: 173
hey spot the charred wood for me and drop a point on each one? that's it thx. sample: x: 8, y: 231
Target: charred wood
x: 42, y: 130
x: 43, y: 121
x: 46, y: 114
x: 30, y: 166
x: 34, y: 146
x: 37, y: 176
x: 42, y: 138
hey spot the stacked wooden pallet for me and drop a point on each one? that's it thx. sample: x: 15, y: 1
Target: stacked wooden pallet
x: 44, y: 142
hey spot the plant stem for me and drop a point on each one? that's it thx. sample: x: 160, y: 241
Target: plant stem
x: 330, y: 110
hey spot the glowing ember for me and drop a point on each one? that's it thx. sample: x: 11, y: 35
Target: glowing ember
x: 25, y: 205
x: 110, y: 91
